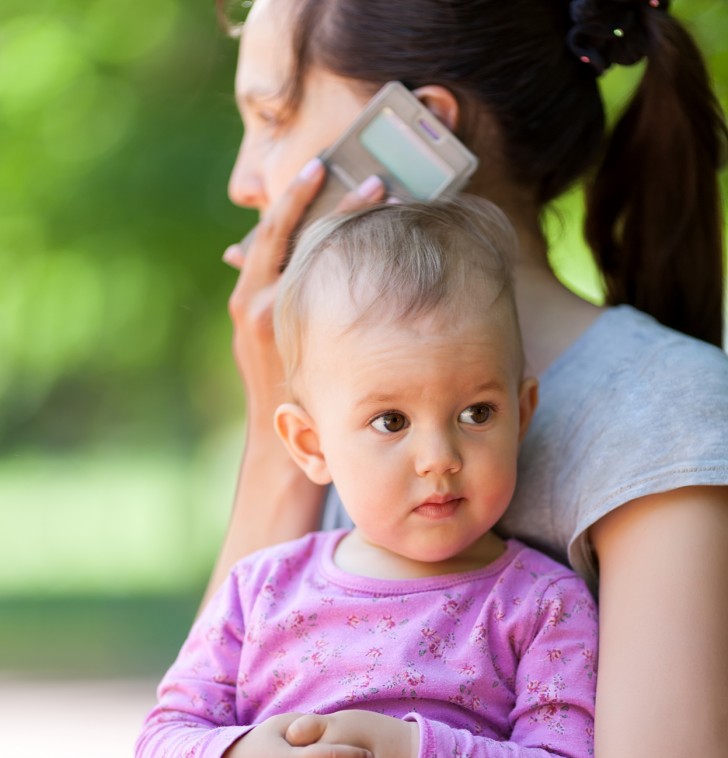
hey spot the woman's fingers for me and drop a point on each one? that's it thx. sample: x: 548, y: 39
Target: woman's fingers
x: 267, y: 243
x: 370, y: 191
x: 266, y: 251
x: 260, y: 255
x: 234, y: 255
x: 264, y: 248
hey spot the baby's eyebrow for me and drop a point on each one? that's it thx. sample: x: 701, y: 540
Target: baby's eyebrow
x: 492, y: 385
x: 376, y: 399
x: 389, y: 398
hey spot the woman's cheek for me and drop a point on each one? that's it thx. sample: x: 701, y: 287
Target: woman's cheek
x: 285, y: 160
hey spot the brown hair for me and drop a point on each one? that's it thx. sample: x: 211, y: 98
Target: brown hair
x: 398, y: 263
x: 653, y: 215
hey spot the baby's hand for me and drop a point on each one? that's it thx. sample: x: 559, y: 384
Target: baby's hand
x: 383, y: 736
x: 268, y: 740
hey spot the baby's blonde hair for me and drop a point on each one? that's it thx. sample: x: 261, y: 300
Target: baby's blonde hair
x: 400, y: 262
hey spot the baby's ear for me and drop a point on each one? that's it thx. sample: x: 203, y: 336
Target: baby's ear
x: 527, y: 402
x: 298, y: 432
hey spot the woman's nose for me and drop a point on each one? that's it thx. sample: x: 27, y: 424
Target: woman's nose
x: 437, y: 454
x: 245, y: 187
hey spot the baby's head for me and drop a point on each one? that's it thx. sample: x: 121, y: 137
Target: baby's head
x: 396, y: 264
x: 399, y: 337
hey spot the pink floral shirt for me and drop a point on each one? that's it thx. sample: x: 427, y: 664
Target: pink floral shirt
x: 495, y: 662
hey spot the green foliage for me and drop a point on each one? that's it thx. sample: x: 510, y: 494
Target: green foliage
x: 118, y: 131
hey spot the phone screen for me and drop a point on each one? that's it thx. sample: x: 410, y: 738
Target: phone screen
x: 393, y: 143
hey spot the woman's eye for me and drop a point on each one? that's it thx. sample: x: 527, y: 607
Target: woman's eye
x: 267, y: 117
x: 476, y: 414
x: 389, y: 423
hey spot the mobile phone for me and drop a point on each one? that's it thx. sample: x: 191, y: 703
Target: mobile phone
x: 397, y: 138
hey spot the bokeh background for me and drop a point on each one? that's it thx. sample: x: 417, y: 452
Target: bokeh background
x: 121, y: 415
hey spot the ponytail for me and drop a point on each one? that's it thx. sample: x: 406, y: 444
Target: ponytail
x: 654, y: 216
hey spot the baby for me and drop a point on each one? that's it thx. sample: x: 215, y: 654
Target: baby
x: 419, y: 632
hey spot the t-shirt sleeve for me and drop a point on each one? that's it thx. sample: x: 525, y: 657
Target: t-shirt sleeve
x: 555, y: 686
x: 659, y: 423
x: 195, y: 712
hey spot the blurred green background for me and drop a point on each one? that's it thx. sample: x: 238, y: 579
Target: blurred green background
x: 121, y: 415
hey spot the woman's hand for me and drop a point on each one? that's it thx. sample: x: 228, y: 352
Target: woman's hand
x: 383, y: 736
x: 274, y: 501
x: 268, y: 740
x: 260, y: 258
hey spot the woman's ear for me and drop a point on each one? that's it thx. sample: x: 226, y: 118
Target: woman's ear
x: 441, y: 102
x: 297, y: 431
x: 527, y: 402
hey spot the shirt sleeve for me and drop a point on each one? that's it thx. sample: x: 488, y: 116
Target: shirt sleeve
x: 195, y: 713
x: 555, y: 687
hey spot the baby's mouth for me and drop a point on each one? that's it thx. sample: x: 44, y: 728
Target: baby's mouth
x: 439, y: 506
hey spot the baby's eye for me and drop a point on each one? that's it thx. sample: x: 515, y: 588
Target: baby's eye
x: 389, y: 422
x: 476, y: 414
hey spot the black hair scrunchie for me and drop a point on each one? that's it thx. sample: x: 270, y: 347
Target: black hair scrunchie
x: 610, y: 31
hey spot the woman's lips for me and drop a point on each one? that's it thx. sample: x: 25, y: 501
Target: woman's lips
x: 438, y: 507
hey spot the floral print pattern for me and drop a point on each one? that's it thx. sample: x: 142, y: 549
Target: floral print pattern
x: 500, y: 661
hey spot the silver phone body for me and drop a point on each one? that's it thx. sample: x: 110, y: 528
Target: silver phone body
x: 397, y: 138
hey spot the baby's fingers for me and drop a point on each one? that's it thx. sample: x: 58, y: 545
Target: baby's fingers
x: 306, y: 730
x: 332, y: 751
x: 305, y: 733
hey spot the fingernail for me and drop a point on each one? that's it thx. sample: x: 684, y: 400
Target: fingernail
x: 371, y: 187
x: 391, y: 200
x: 233, y: 257
x: 311, y: 169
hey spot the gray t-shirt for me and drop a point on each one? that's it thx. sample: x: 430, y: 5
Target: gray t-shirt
x: 629, y: 409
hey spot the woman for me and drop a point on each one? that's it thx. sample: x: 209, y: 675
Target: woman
x: 625, y: 468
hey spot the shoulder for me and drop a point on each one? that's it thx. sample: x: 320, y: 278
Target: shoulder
x: 541, y: 579
x: 670, y: 382
x: 635, y: 347
x: 655, y: 420
x: 634, y: 383
x: 285, y: 560
x: 630, y: 409
x: 626, y: 347
x: 628, y: 378
x: 683, y: 357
